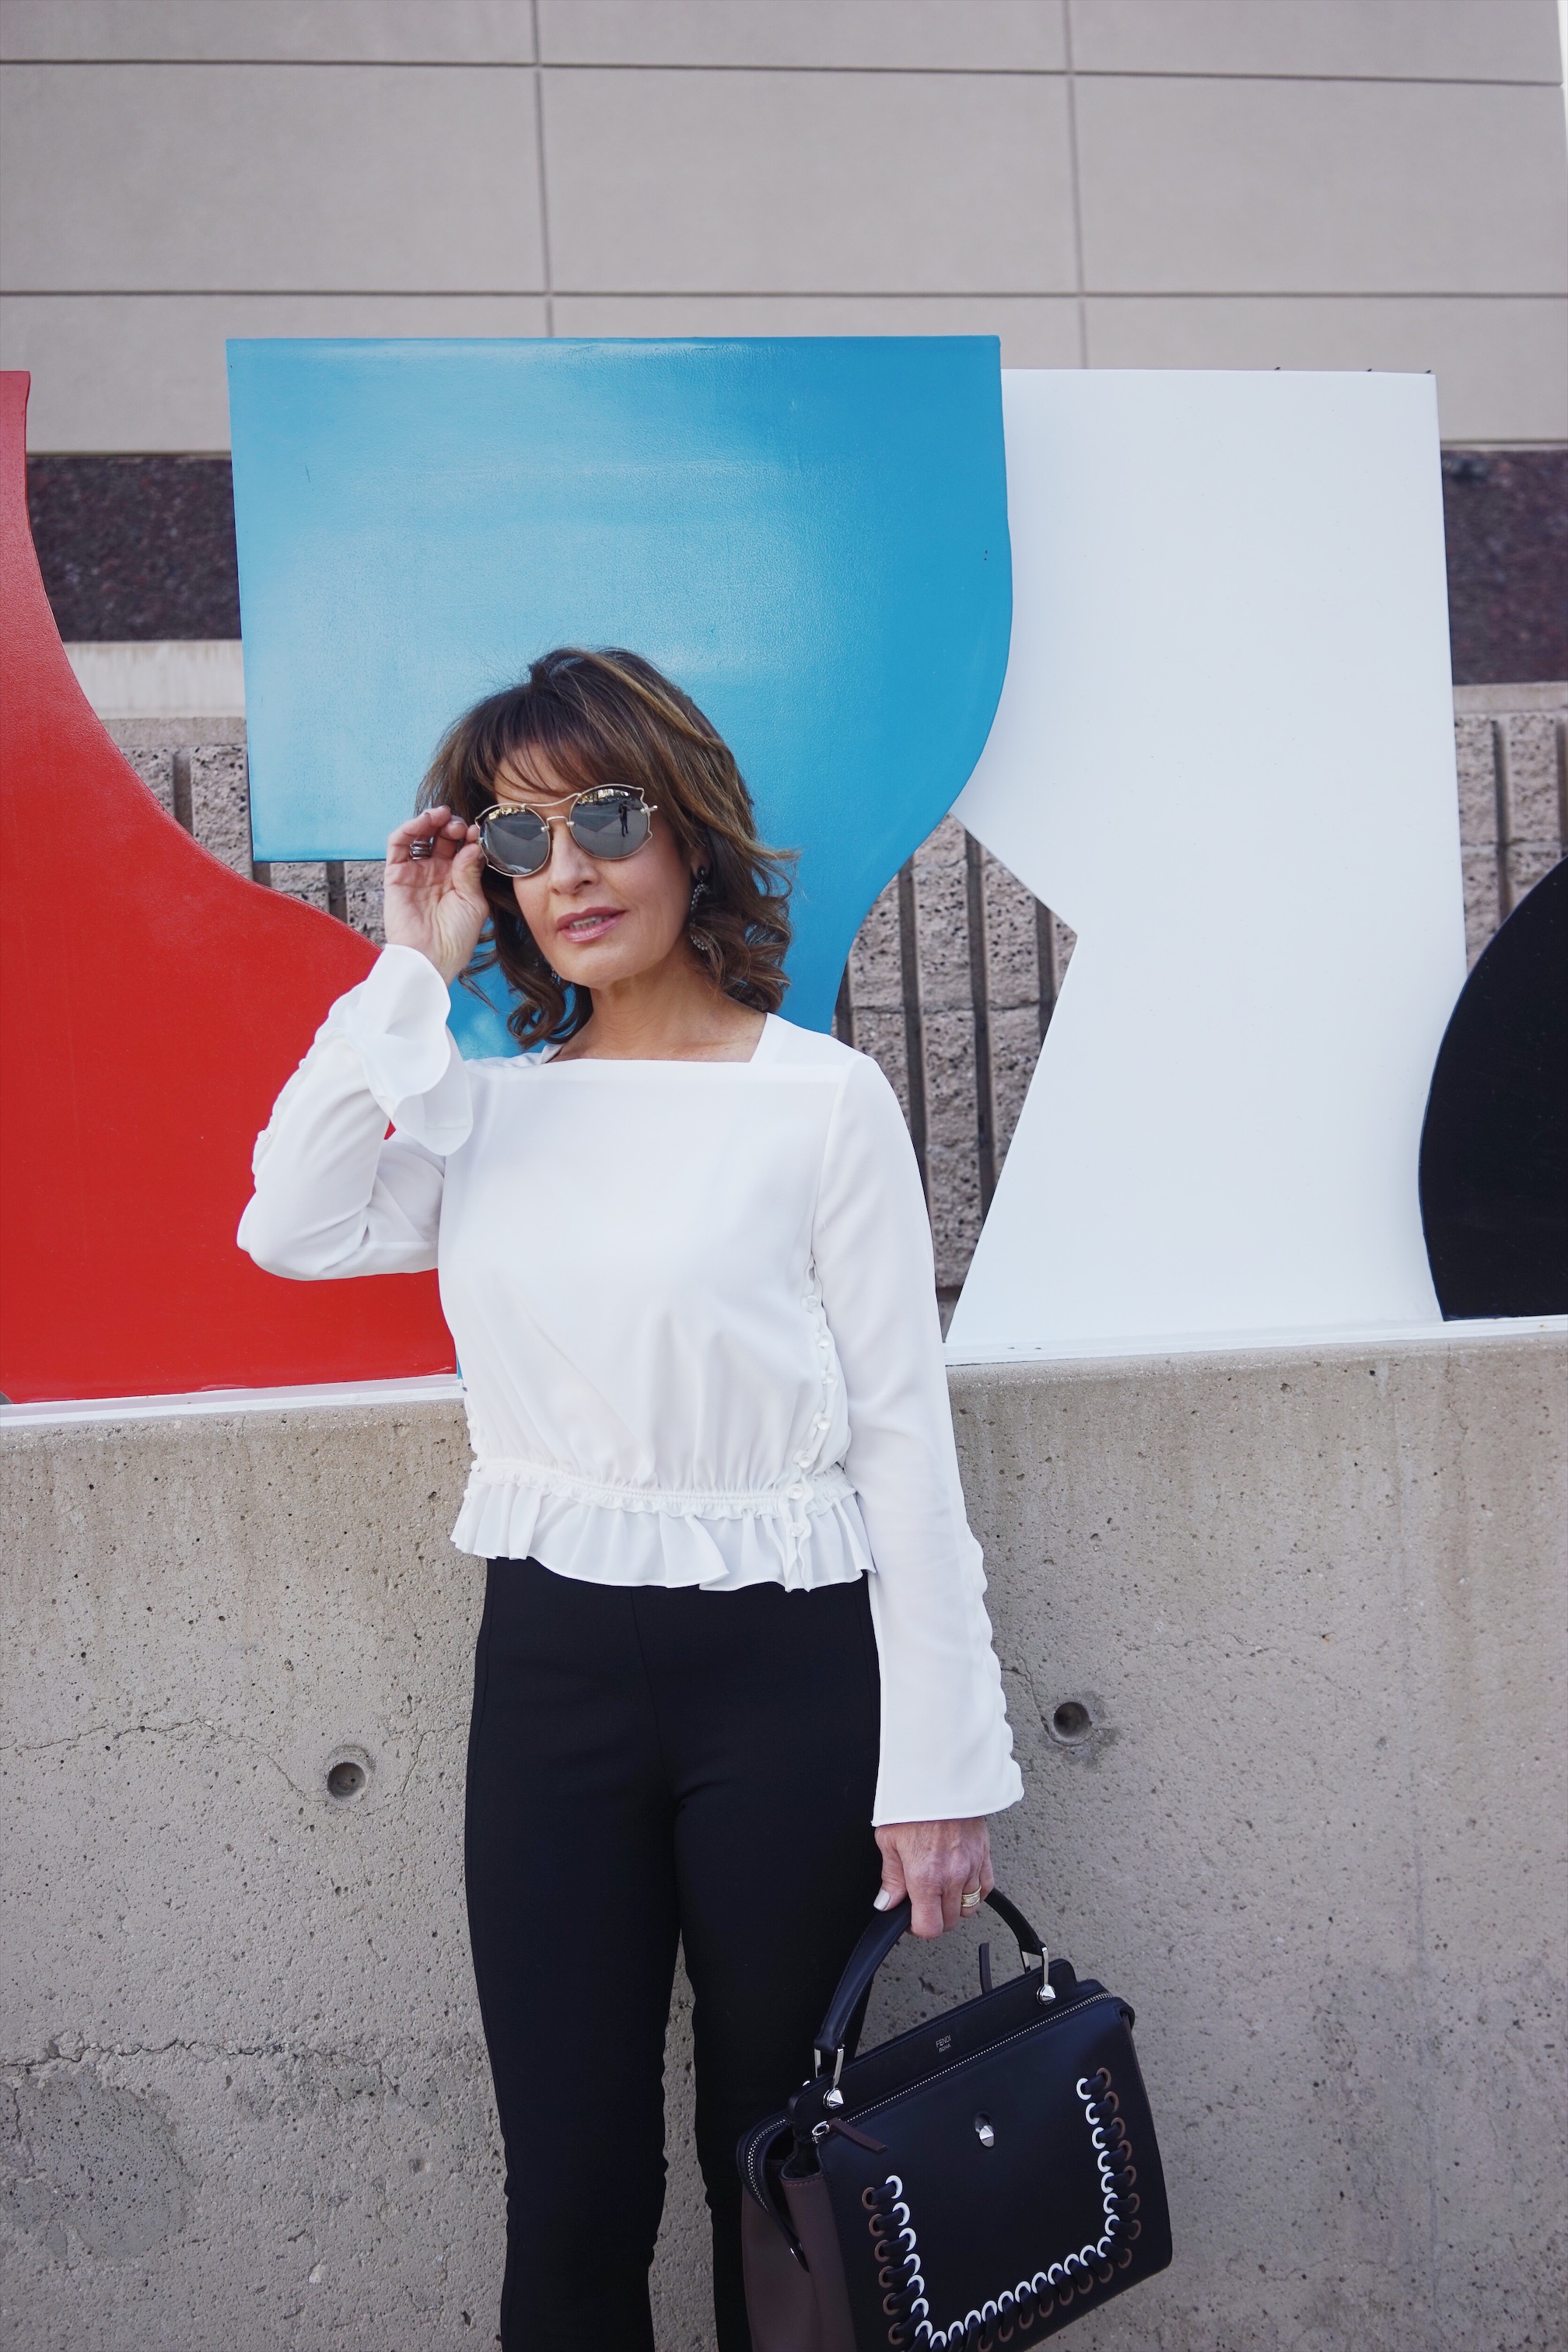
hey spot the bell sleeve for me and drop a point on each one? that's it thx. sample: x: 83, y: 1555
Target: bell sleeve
x: 946, y: 1750
x: 334, y: 1193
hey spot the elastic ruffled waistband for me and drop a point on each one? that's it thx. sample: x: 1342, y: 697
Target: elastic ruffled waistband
x: 811, y: 1490
x: 806, y: 1531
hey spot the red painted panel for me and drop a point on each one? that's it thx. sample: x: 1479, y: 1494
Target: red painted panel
x: 151, y: 1003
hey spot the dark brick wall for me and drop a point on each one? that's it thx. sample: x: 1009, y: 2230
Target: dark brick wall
x: 1506, y: 516
x: 136, y: 547
x: 144, y: 547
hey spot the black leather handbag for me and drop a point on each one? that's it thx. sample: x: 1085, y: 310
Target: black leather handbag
x: 978, y: 2182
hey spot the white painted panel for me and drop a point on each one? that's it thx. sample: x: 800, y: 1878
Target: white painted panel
x: 1224, y: 755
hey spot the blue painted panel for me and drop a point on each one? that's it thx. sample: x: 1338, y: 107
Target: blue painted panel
x: 810, y: 535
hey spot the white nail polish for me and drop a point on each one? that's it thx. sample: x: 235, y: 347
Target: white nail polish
x: 883, y: 1902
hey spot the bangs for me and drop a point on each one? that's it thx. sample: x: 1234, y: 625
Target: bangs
x: 530, y: 724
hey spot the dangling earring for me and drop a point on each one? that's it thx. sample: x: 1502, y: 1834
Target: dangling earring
x: 704, y: 941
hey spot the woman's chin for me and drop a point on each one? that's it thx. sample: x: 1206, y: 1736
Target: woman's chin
x: 600, y: 963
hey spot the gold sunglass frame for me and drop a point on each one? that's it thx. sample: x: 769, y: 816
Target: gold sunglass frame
x: 593, y: 793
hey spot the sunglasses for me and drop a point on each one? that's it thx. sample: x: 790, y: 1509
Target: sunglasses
x: 607, y: 821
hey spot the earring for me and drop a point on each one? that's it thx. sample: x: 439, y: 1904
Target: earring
x: 704, y: 941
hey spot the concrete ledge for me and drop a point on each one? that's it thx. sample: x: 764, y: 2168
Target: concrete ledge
x: 200, y: 678
x: 1283, y: 1637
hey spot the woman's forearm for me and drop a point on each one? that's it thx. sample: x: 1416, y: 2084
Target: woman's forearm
x: 334, y: 1195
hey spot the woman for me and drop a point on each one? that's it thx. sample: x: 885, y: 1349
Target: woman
x: 733, y: 1640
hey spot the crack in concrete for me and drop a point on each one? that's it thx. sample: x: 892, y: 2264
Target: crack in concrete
x: 135, y: 1730
x: 69, y: 2051
x: 418, y: 1734
x: 89, y: 2053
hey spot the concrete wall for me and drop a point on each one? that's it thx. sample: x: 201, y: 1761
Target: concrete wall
x: 1105, y: 183
x: 1310, y: 1603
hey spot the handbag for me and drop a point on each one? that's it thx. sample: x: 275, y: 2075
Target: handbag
x: 977, y: 2182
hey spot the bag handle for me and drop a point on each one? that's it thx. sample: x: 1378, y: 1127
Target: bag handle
x: 882, y: 1933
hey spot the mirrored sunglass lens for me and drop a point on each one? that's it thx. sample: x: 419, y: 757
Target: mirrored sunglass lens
x: 518, y: 840
x: 611, y: 824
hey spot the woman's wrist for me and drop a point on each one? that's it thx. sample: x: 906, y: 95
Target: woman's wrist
x: 427, y: 954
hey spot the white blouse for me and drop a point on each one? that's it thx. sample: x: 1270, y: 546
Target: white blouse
x: 694, y: 1310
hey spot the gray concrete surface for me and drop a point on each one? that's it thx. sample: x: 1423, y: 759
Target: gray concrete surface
x: 1310, y: 1602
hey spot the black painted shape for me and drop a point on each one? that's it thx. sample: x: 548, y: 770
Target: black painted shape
x: 1494, y: 1147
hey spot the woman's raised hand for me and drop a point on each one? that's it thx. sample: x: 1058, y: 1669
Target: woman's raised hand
x: 435, y: 900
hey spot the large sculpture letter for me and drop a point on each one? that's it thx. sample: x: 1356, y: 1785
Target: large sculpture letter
x: 1224, y: 753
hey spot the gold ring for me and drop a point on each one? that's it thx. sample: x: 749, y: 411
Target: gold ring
x: 970, y: 1901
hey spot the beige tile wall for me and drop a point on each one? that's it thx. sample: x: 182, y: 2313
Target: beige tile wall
x: 983, y: 36
x: 1236, y: 186
x: 474, y: 32
x: 115, y: 372
x: 1501, y: 363
x: 269, y: 179
x: 1440, y: 40
x: 809, y: 182
x: 1121, y: 182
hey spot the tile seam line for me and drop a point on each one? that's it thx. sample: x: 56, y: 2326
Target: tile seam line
x: 1075, y: 180
x: 542, y: 173
x: 773, y: 294
x: 672, y: 66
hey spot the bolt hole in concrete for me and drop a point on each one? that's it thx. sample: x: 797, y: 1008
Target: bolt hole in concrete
x: 345, y: 1779
x: 1071, y: 1721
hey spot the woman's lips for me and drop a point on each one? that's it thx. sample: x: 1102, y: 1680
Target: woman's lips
x: 592, y: 924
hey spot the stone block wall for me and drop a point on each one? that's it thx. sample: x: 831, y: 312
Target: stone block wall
x: 953, y: 980
x: 1513, y: 745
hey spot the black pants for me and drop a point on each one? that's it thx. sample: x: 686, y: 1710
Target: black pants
x: 646, y: 1766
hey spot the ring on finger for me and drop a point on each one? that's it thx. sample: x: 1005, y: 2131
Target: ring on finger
x: 970, y: 1899
x: 425, y: 848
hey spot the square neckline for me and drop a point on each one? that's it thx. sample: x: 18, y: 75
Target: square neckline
x: 547, y: 1056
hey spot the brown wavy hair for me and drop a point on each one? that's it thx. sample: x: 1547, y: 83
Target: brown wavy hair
x: 610, y: 718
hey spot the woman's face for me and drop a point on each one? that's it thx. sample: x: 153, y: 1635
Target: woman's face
x: 599, y: 920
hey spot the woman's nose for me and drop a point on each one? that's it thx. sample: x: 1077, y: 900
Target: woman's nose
x: 569, y: 862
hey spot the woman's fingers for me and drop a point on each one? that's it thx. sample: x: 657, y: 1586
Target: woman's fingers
x: 936, y: 1864
x: 931, y: 1911
x: 434, y: 897
x: 434, y: 833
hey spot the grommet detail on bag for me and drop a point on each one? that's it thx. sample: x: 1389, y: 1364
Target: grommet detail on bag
x: 1016, y: 2310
